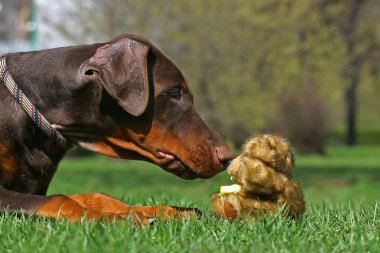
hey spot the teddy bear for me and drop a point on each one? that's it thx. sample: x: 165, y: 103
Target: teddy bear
x: 263, y: 179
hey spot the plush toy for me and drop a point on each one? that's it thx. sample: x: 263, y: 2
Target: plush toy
x: 263, y: 177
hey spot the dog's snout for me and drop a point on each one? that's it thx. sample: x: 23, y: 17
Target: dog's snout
x: 224, y: 155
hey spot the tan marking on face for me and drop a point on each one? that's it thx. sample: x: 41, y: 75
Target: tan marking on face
x: 117, y: 148
x: 100, y: 148
x: 185, y: 86
x: 194, y: 152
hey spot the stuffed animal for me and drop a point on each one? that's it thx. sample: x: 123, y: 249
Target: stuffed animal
x: 263, y: 181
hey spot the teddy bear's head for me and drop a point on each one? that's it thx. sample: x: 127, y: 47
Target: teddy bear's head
x: 262, y: 150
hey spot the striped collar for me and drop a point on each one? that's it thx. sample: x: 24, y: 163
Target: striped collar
x: 29, y: 108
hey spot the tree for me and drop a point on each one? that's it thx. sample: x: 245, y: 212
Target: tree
x: 349, y: 20
x: 242, y: 58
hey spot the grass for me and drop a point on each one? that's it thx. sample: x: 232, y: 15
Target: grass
x: 341, y: 189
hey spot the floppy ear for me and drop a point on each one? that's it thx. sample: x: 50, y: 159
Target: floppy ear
x: 122, y: 67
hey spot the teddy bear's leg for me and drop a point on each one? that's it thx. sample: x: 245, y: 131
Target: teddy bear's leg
x: 273, y: 188
x: 231, y: 206
x: 225, y: 208
x: 293, y: 198
x: 263, y: 180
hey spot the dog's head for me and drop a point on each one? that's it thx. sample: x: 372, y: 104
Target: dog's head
x: 139, y: 106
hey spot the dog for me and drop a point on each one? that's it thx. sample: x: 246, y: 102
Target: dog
x: 123, y: 98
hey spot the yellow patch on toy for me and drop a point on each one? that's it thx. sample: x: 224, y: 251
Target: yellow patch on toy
x: 235, y: 188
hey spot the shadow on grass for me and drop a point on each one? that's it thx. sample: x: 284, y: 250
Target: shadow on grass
x: 317, y: 176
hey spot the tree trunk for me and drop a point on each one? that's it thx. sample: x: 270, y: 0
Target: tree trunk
x: 352, y: 73
x: 351, y: 104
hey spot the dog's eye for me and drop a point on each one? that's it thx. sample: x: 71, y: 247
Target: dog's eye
x: 174, y: 92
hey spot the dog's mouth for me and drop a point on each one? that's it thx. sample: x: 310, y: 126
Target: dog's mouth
x: 117, y: 147
x: 174, y: 165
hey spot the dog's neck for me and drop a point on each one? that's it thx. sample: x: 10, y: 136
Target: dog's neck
x: 28, y: 159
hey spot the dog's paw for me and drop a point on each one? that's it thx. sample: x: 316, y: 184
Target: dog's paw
x: 181, y: 213
x: 139, y: 219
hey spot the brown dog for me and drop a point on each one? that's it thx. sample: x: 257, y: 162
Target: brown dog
x: 123, y: 98
x: 264, y: 172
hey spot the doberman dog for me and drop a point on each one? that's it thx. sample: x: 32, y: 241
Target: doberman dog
x: 124, y: 99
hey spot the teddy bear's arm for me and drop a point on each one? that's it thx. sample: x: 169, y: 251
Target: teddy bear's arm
x: 262, y: 179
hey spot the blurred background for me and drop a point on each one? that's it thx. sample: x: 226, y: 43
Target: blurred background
x: 309, y: 70
x: 306, y: 69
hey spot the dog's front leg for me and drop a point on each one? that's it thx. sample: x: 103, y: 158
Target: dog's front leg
x: 104, y: 203
x: 61, y: 206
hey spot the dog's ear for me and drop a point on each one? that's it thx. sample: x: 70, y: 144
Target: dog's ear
x: 122, y: 68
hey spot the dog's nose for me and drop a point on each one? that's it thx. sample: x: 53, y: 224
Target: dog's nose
x: 224, y: 155
x: 227, y: 163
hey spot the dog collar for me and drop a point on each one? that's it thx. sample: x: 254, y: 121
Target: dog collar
x: 28, y: 107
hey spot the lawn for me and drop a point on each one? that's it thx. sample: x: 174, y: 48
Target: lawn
x: 341, y: 189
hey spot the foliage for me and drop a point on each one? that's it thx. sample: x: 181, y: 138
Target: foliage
x: 303, y: 117
x: 240, y: 56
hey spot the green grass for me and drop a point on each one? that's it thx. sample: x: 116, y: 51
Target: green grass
x: 341, y: 189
